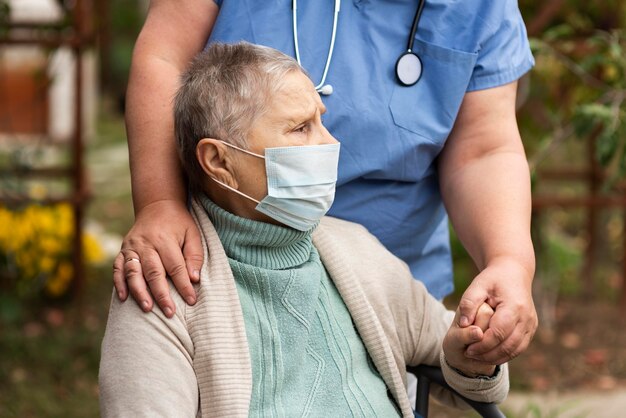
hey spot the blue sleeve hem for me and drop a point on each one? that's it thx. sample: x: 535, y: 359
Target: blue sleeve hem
x: 501, y: 78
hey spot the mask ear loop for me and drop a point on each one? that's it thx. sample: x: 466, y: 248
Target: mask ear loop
x: 234, y: 190
x: 242, y: 150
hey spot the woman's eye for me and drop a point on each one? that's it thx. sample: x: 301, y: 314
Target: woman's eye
x: 301, y: 128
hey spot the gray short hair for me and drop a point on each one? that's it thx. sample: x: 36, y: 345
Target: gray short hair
x: 224, y: 90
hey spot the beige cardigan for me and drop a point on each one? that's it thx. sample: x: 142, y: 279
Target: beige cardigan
x: 198, y: 364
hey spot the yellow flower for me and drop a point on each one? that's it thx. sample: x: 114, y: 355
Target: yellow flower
x: 50, y: 245
x: 46, y: 264
x: 59, y: 283
x: 92, y: 250
x: 37, y: 241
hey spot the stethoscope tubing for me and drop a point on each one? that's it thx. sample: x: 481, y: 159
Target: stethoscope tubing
x: 320, y: 87
x: 329, y: 56
x: 416, y: 21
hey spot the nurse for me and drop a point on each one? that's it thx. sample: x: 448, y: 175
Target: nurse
x: 427, y: 138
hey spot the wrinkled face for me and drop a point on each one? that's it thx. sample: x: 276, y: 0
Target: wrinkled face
x: 293, y: 118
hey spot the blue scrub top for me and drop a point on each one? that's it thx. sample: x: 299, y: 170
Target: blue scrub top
x: 391, y: 134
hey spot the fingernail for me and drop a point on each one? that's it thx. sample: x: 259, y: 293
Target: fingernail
x: 145, y: 305
x: 196, y: 274
x: 168, y: 311
x: 120, y: 295
x: 470, y: 353
x: 190, y: 300
x: 464, y: 321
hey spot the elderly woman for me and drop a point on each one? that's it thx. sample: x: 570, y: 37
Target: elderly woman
x: 298, y: 314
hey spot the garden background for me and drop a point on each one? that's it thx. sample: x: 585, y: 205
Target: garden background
x: 571, y: 114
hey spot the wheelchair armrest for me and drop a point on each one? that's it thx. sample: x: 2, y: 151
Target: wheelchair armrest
x: 427, y: 374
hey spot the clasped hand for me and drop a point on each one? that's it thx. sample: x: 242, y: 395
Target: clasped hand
x: 459, y: 338
x: 506, y: 286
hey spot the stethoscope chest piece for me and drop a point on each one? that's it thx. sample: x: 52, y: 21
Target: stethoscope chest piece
x: 408, y: 68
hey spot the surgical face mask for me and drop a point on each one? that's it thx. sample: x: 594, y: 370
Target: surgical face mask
x: 300, y: 183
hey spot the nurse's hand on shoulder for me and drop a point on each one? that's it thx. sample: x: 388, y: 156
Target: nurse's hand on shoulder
x: 163, y: 240
x: 507, y: 287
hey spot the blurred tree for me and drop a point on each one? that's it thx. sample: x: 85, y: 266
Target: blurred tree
x: 120, y: 21
x: 4, y: 16
x: 579, y: 83
x: 576, y: 97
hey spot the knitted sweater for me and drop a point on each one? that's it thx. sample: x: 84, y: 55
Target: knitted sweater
x: 198, y: 363
x: 305, y: 353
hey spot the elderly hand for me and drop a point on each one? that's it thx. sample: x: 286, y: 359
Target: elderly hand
x: 506, y: 286
x: 164, y: 239
x: 457, y: 339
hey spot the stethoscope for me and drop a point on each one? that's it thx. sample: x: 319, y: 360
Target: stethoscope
x: 408, y: 66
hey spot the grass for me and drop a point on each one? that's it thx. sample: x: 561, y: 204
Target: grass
x: 50, y: 355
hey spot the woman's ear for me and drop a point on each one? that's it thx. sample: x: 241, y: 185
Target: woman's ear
x: 216, y: 161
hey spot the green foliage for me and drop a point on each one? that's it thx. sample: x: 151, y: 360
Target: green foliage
x: 464, y: 268
x: 559, y: 263
x: 579, y: 86
x: 576, y: 101
x: 126, y: 21
x: 4, y: 16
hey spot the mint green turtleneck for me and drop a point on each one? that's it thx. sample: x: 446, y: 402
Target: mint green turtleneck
x: 307, y: 357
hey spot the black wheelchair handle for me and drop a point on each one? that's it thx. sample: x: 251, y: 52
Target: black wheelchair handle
x: 426, y: 375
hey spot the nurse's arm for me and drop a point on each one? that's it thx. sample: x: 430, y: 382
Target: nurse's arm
x: 485, y: 184
x: 164, y: 237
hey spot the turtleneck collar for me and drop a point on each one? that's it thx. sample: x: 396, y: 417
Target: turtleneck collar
x: 257, y: 243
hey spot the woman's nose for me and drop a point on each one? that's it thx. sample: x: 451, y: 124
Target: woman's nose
x: 326, y: 137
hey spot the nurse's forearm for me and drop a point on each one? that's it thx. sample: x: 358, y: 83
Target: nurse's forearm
x: 173, y: 34
x: 485, y: 181
x: 155, y: 168
x: 489, y: 204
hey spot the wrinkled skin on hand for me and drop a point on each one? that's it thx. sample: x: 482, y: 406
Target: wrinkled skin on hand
x: 164, y: 242
x: 458, y: 338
